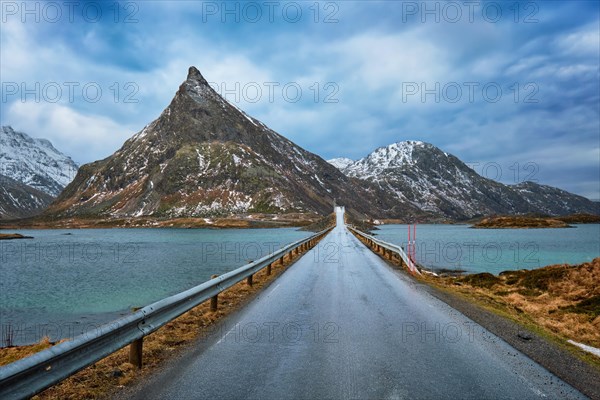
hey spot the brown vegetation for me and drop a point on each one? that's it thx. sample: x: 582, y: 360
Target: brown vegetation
x: 565, y: 299
x: 10, y: 236
x: 323, y: 223
x: 520, y: 222
x: 580, y: 219
x: 255, y: 220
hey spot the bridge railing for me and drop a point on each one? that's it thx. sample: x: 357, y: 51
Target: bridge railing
x: 31, y: 375
x: 387, y: 249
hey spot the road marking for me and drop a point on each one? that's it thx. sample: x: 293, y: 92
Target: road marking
x: 275, y: 288
x: 585, y: 347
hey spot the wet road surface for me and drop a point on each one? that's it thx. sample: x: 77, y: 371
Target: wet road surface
x: 341, y: 324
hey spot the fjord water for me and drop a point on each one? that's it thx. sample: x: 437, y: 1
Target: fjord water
x: 65, y: 282
x: 496, y: 250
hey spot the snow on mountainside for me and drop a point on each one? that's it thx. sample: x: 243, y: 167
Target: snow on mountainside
x: 424, y: 176
x: 340, y: 163
x: 205, y: 157
x: 34, y: 162
x: 18, y: 200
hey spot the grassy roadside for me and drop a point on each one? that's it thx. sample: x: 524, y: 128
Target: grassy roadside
x: 562, y: 299
x: 517, y: 316
x: 113, y: 373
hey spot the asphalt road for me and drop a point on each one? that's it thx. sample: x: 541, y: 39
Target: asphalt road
x: 341, y: 324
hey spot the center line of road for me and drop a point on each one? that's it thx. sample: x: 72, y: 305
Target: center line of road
x: 275, y: 288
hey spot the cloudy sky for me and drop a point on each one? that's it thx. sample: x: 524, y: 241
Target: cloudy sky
x: 511, y: 88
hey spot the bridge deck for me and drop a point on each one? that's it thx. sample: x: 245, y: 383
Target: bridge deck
x: 341, y: 324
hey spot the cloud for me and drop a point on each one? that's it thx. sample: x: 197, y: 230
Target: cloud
x: 582, y: 42
x: 83, y: 137
x: 368, y: 54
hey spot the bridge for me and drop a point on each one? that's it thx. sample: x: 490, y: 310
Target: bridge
x: 339, y: 323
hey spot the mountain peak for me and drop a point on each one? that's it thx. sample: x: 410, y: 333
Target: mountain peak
x: 195, y: 76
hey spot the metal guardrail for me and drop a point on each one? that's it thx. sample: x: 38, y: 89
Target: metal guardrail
x: 31, y: 375
x: 386, y: 248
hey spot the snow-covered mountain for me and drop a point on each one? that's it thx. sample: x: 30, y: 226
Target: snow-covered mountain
x: 434, y: 181
x: 205, y: 157
x: 34, y: 162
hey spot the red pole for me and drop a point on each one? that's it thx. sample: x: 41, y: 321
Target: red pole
x: 414, y: 242
x: 408, y: 244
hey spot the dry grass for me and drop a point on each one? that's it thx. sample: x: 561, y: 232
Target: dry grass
x: 254, y: 220
x: 520, y: 222
x: 114, y: 372
x: 9, y: 236
x: 563, y: 299
x: 10, y: 354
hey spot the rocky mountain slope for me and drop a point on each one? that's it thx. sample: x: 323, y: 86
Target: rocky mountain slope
x: 554, y: 201
x: 204, y: 157
x: 425, y: 177
x: 34, y: 162
x: 18, y: 200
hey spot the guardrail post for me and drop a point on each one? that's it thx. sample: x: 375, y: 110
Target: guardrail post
x: 214, y: 302
x: 249, y: 280
x: 135, y: 352
x: 269, y: 269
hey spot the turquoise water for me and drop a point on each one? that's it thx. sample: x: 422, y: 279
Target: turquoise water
x: 64, y: 282
x: 497, y: 250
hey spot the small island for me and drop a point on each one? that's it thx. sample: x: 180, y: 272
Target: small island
x: 11, y: 236
x: 520, y: 222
